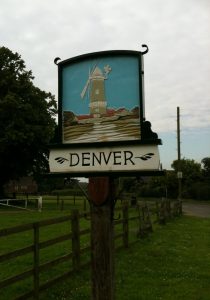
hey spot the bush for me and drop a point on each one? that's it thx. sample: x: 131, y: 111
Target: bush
x: 199, y: 191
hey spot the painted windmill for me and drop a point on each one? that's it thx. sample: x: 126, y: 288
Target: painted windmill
x: 95, y: 88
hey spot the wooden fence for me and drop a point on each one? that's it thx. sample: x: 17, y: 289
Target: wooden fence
x: 142, y: 215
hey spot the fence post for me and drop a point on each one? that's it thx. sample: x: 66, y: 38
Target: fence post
x: 40, y: 203
x: 62, y: 204
x: 85, y: 204
x: 75, y: 239
x: 125, y: 225
x: 168, y: 208
x: 36, y: 261
x: 180, y: 207
x: 58, y: 200
x: 74, y: 197
x: 162, y: 212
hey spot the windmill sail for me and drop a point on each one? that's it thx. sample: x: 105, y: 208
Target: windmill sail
x: 88, y: 81
x: 85, y: 88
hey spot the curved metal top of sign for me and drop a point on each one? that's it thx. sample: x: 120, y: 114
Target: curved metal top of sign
x: 101, y: 98
x: 58, y: 60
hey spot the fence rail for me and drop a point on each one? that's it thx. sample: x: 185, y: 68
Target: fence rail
x: 140, y: 215
x: 13, y: 203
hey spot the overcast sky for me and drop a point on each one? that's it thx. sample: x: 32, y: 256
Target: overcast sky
x: 177, y: 66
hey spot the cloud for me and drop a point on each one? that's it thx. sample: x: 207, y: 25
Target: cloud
x: 177, y: 32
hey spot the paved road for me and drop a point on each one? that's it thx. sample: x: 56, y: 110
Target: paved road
x: 196, y: 209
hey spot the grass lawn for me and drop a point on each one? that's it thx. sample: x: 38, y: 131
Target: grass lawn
x: 13, y: 217
x: 172, y: 263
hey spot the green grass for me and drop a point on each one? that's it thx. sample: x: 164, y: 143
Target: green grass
x: 12, y: 217
x: 172, y: 263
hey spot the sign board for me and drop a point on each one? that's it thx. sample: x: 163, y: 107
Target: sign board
x: 179, y: 174
x: 109, y: 159
x: 102, y: 126
x: 101, y: 98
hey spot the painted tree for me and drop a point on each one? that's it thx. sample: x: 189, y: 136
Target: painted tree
x: 26, y: 120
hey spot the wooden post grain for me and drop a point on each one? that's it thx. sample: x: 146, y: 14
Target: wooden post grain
x: 102, y: 241
x: 102, y: 253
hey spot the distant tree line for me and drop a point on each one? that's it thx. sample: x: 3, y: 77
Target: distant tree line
x: 195, y: 181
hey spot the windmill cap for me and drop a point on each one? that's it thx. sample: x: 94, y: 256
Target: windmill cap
x: 97, y: 73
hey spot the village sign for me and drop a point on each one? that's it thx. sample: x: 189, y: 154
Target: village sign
x: 101, y: 120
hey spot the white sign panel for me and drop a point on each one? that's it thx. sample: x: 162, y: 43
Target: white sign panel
x: 105, y: 159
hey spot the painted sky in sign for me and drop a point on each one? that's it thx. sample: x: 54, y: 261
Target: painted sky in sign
x: 121, y: 86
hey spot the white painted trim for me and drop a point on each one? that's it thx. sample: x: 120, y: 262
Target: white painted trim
x: 105, y: 159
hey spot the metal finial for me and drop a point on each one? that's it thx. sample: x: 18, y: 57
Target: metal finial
x: 147, y: 49
x: 56, y: 60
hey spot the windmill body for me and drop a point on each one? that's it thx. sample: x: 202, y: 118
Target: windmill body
x: 95, y: 87
x: 98, y: 102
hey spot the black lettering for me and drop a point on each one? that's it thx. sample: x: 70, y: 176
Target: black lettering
x: 106, y: 159
x: 74, y: 159
x: 98, y: 159
x: 117, y: 155
x: 86, y: 157
x: 128, y: 155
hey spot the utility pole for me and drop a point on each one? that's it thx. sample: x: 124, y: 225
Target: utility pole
x: 179, y: 172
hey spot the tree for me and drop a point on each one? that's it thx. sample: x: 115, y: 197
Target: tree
x: 26, y: 120
x: 191, y: 175
x: 206, y: 166
x: 190, y: 169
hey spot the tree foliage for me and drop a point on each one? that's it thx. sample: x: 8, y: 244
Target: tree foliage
x: 26, y: 119
x: 195, y: 181
x: 206, y: 166
x: 190, y: 169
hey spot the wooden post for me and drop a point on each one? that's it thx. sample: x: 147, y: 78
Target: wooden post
x: 75, y: 239
x: 102, y: 237
x: 36, y: 261
x: 62, y: 204
x: 179, y: 173
x: 74, y: 197
x: 58, y: 198
x: 125, y: 225
x: 85, y: 204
